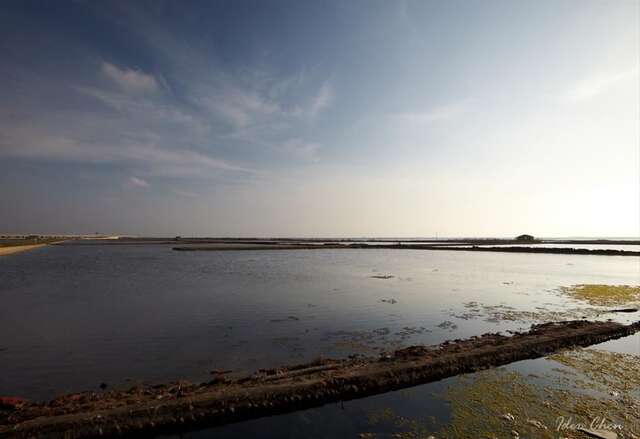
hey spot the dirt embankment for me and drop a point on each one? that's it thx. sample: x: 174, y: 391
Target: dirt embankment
x: 183, y: 406
x: 276, y: 246
x: 549, y: 250
x: 18, y: 248
x: 303, y: 246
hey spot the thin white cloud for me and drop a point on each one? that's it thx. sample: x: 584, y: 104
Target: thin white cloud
x: 256, y: 106
x: 184, y: 193
x: 154, y: 133
x: 443, y: 113
x: 138, y: 182
x: 150, y: 112
x: 593, y: 86
x: 185, y: 161
x: 242, y: 106
x: 260, y: 113
x: 322, y: 100
x: 302, y: 149
x: 158, y: 160
x: 239, y: 107
x: 129, y: 80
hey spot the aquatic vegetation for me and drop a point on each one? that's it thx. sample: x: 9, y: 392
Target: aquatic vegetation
x: 588, y: 386
x: 287, y: 319
x: 374, y: 341
x: 603, y: 295
x: 596, y: 297
x: 499, y: 313
x: 448, y: 325
x: 407, y: 428
x: 607, y: 371
x: 496, y: 402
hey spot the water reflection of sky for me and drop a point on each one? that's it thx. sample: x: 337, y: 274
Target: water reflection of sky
x: 79, y: 316
x: 425, y: 406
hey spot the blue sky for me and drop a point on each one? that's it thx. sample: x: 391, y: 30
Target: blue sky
x: 275, y: 118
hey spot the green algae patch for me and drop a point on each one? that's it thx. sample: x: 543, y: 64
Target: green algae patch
x: 506, y: 313
x: 499, y: 403
x: 586, y: 388
x: 606, y: 372
x: 591, y: 387
x: 406, y: 428
x: 603, y: 295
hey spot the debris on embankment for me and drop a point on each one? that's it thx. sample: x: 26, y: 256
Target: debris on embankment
x: 183, y: 406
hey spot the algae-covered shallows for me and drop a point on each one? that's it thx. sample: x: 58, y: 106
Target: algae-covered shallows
x: 604, y: 295
x: 588, y: 388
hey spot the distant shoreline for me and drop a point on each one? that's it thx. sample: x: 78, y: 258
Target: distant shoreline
x: 337, y: 241
x: 481, y: 245
x: 573, y: 247
x: 333, y: 246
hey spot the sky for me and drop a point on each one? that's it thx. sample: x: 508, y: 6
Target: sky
x: 320, y: 118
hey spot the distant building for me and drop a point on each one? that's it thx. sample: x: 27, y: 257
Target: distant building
x: 525, y: 238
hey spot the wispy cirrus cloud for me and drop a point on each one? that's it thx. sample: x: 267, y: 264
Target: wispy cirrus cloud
x: 159, y: 134
x: 322, y: 100
x: 139, y: 182
x: 255, y: 95
x: 246, y: 105
x: 259, y: 116
x: 237, y: 106
x: 129, y: 80
x: 184, y: 193
x: 301, y: 149
x: 259, y: 106
x: 436, y: 114
x: 141, y: 152
x: 188, y: 116
x: 593, y: 86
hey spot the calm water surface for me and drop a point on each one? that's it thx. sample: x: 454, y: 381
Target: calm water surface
x: 76, y: 316
x: 626, y: 247
x: 425, y: 405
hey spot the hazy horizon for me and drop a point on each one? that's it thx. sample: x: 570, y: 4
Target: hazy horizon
x: 321, y: 119
x: 328, y: 237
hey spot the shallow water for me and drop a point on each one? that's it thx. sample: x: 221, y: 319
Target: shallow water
x: 74, y: 317
x: 625, y: 247
x: 417, y: 412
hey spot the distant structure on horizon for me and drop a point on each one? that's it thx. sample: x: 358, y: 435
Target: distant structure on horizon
x: 525, y: 238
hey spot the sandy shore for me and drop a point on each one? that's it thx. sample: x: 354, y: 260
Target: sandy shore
x: 18, y: 248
